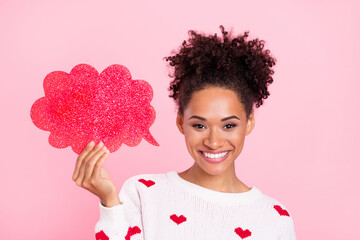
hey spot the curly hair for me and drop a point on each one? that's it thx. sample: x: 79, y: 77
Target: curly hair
x: 234, y: 63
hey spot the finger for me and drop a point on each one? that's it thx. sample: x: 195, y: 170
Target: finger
x: 90, y: 164
x: 98, y: 165
x: 93, y: 151
x: 80, y: 158
x: 81, y: 174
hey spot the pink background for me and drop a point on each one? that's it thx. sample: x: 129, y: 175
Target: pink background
x: 304, y: 150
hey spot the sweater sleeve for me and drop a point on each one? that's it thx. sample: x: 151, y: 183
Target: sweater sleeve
x: 288, y: 230
x: 124, y: 220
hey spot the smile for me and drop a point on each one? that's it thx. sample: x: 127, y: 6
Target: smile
x: 217, y: 155
x: 214, y: 157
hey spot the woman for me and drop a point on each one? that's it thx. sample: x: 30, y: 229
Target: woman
x: 217, y: 81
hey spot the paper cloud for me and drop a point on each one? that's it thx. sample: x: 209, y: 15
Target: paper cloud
x: 84, y: 105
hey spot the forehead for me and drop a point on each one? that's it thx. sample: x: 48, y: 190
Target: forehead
x: 215, y: 102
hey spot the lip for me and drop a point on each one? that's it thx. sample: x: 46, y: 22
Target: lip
x: 211, y: 160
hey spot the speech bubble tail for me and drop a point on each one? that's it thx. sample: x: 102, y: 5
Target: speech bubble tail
x: 148, y: 137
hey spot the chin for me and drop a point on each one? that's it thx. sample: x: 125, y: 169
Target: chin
x: 213, y: 170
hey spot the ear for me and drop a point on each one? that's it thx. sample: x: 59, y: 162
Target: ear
x: 180, y: 122
x: 250, y: 123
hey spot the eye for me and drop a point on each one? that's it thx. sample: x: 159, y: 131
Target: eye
x: 199, y: 126
x: 230, y: 125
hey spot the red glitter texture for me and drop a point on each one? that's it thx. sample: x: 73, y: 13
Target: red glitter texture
x: 84, y: 105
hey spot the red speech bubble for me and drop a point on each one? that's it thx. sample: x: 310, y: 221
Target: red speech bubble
x: 84, y: 105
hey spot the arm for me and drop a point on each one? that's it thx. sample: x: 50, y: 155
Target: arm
x: 288, y: 230
x: 123, y: 220
x: 118, y: 219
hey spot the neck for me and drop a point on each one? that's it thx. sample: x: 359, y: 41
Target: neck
x: 225, y: 182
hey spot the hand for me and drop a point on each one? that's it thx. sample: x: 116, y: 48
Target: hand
x: 90, y: 174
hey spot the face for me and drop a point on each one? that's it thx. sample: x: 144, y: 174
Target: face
x: 215, y: 125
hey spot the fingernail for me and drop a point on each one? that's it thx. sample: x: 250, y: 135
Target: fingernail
x: 91, y: 143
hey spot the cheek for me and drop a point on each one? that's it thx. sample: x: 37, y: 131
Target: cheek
x: 192, y: 142
x: 237, y: 137
x: 192, y: 137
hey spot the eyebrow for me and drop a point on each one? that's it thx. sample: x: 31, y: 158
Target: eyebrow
x: 204, y: 119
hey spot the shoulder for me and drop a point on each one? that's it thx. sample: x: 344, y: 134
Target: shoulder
x: 144, y: 180
x: 140, y: 186
x: 277, y: 215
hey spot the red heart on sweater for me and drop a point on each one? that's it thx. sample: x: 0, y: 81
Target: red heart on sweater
x: 242, y: 233
x: 101, y: 236
x: 178, y: 219
x: 281, y: 211
x: 147, y: 183
x: 132, y: 231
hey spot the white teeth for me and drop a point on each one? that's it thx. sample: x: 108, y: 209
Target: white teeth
x: 217, y: 155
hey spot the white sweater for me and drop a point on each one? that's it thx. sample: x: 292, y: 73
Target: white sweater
x: 167, y: 207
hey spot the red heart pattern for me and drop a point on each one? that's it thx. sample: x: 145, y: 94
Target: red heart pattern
x: 147, y: 183
x: 281, y: 211
x: 242, y: 233
x: 132, y: 231
x: 101, y: 236
x: 178, y: 219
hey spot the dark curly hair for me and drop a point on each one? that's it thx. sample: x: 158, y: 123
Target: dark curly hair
x: 233, y: 63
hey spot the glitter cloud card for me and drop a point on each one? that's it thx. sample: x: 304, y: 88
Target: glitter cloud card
x: 83, y: 105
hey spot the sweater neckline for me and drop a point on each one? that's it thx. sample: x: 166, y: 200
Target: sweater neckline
x: 211, y: 195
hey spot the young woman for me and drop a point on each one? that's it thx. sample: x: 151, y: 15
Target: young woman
x: 216, y: 83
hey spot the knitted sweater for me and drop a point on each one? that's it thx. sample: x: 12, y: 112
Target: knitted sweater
x: 167, y: 207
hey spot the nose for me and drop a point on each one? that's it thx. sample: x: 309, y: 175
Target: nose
x: 214, y: 139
